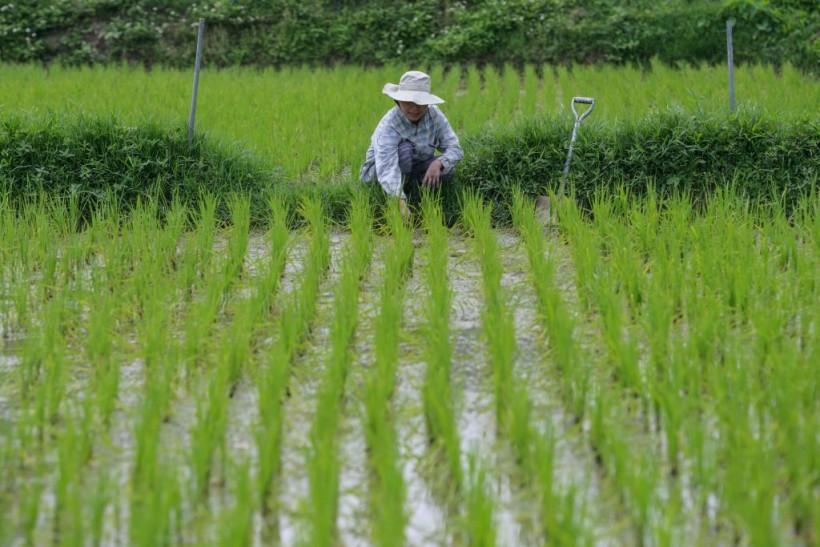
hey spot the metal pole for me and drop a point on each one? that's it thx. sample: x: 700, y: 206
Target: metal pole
x: 731, y: 55
x: 196, y: 80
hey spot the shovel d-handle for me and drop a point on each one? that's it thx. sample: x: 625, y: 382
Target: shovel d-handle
x: 582, y: 100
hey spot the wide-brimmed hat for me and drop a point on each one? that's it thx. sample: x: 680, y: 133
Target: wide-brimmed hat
x: 413, y: 87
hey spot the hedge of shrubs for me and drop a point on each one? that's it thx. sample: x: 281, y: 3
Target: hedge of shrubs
x: 281, y: 32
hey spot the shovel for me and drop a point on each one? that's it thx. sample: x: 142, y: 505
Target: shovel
x: 543, y: 202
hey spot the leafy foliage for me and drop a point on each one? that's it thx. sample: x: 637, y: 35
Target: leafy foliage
x: 100, y: 160
x: 668, y: 151
x: 277, y: 32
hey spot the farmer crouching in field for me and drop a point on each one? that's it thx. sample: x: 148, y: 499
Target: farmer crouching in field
x: 402, y: 154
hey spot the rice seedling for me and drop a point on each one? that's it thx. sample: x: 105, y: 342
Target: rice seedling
x: 294, y: 326
x: 480, y: 507
x: 438, y: 393
x: 387, y: 484
x: 498, y: 325
x: 323, y: 460
x: 559, y: 323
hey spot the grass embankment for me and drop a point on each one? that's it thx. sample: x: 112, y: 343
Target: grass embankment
x: 100, y: 161
x: 668, y: 152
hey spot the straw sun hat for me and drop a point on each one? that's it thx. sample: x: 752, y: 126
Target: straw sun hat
x: 413, y: 87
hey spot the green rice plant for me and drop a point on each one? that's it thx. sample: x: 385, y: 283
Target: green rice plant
x: 509, y: 95
x: 552, y: 309
x: 561, y: 521
x: 387, y: 484
x: 103, y: 495
x: 53, y: 367
x: 155, y: 508
x: 208, y: 434
x: 529, y: 101
x: 30, y: 498
x: 239, y: 208
x: 295, y: 319
x: 74, y: 451
x: 160, y: 360
x: 480, y: 507
x: 497, y: 320
x: 99, y: 348
x: 438, y: 393
x: 323, y: 462
x: 236, y: 525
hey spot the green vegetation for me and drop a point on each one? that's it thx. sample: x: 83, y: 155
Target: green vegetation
x: 681, y: 341
x: 665, y: 153
x: 640, y: 370
x: 387, y: 488
x: 320, y: 32
x: 668, y: 129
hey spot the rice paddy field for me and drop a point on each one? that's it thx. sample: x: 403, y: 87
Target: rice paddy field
x: 644, y: 373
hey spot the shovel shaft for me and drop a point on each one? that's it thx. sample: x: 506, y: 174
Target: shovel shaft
x: 578, y: 119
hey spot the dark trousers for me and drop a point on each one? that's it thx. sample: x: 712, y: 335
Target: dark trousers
x: 413, y: 173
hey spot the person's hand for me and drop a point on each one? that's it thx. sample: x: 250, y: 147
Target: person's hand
x: 433, y: 174
x: 405, y: 211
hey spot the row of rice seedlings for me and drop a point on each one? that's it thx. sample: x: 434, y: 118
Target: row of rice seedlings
x: 559, y: 323
x: 154, y: 497
x: 387, y: 491
x: 42, y: 381
x: 323, y: 460
x: 232, y: 350
x: 534, y: 450
x: 295, y: 318
x: 705, y: 362
x: 75, y: 519
x: 236, y: 525
x: 480, y: 528
x: 438, y: 395
x: 497, y: 319
x: 635, y: 474
x: 557, y: 510
x: 204, y: 273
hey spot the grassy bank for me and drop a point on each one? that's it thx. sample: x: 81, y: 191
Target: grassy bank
x: 99, y: 162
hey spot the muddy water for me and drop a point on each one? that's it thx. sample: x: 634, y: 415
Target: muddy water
x: 432, y: 520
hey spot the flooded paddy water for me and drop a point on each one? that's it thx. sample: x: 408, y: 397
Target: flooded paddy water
x: 133, y: 403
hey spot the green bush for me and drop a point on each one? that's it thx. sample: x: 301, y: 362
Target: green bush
x: 100, y: 160
x: 669, y: 151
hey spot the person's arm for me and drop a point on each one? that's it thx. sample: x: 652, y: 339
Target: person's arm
x: 386, y: 149
x: 450, y: 148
